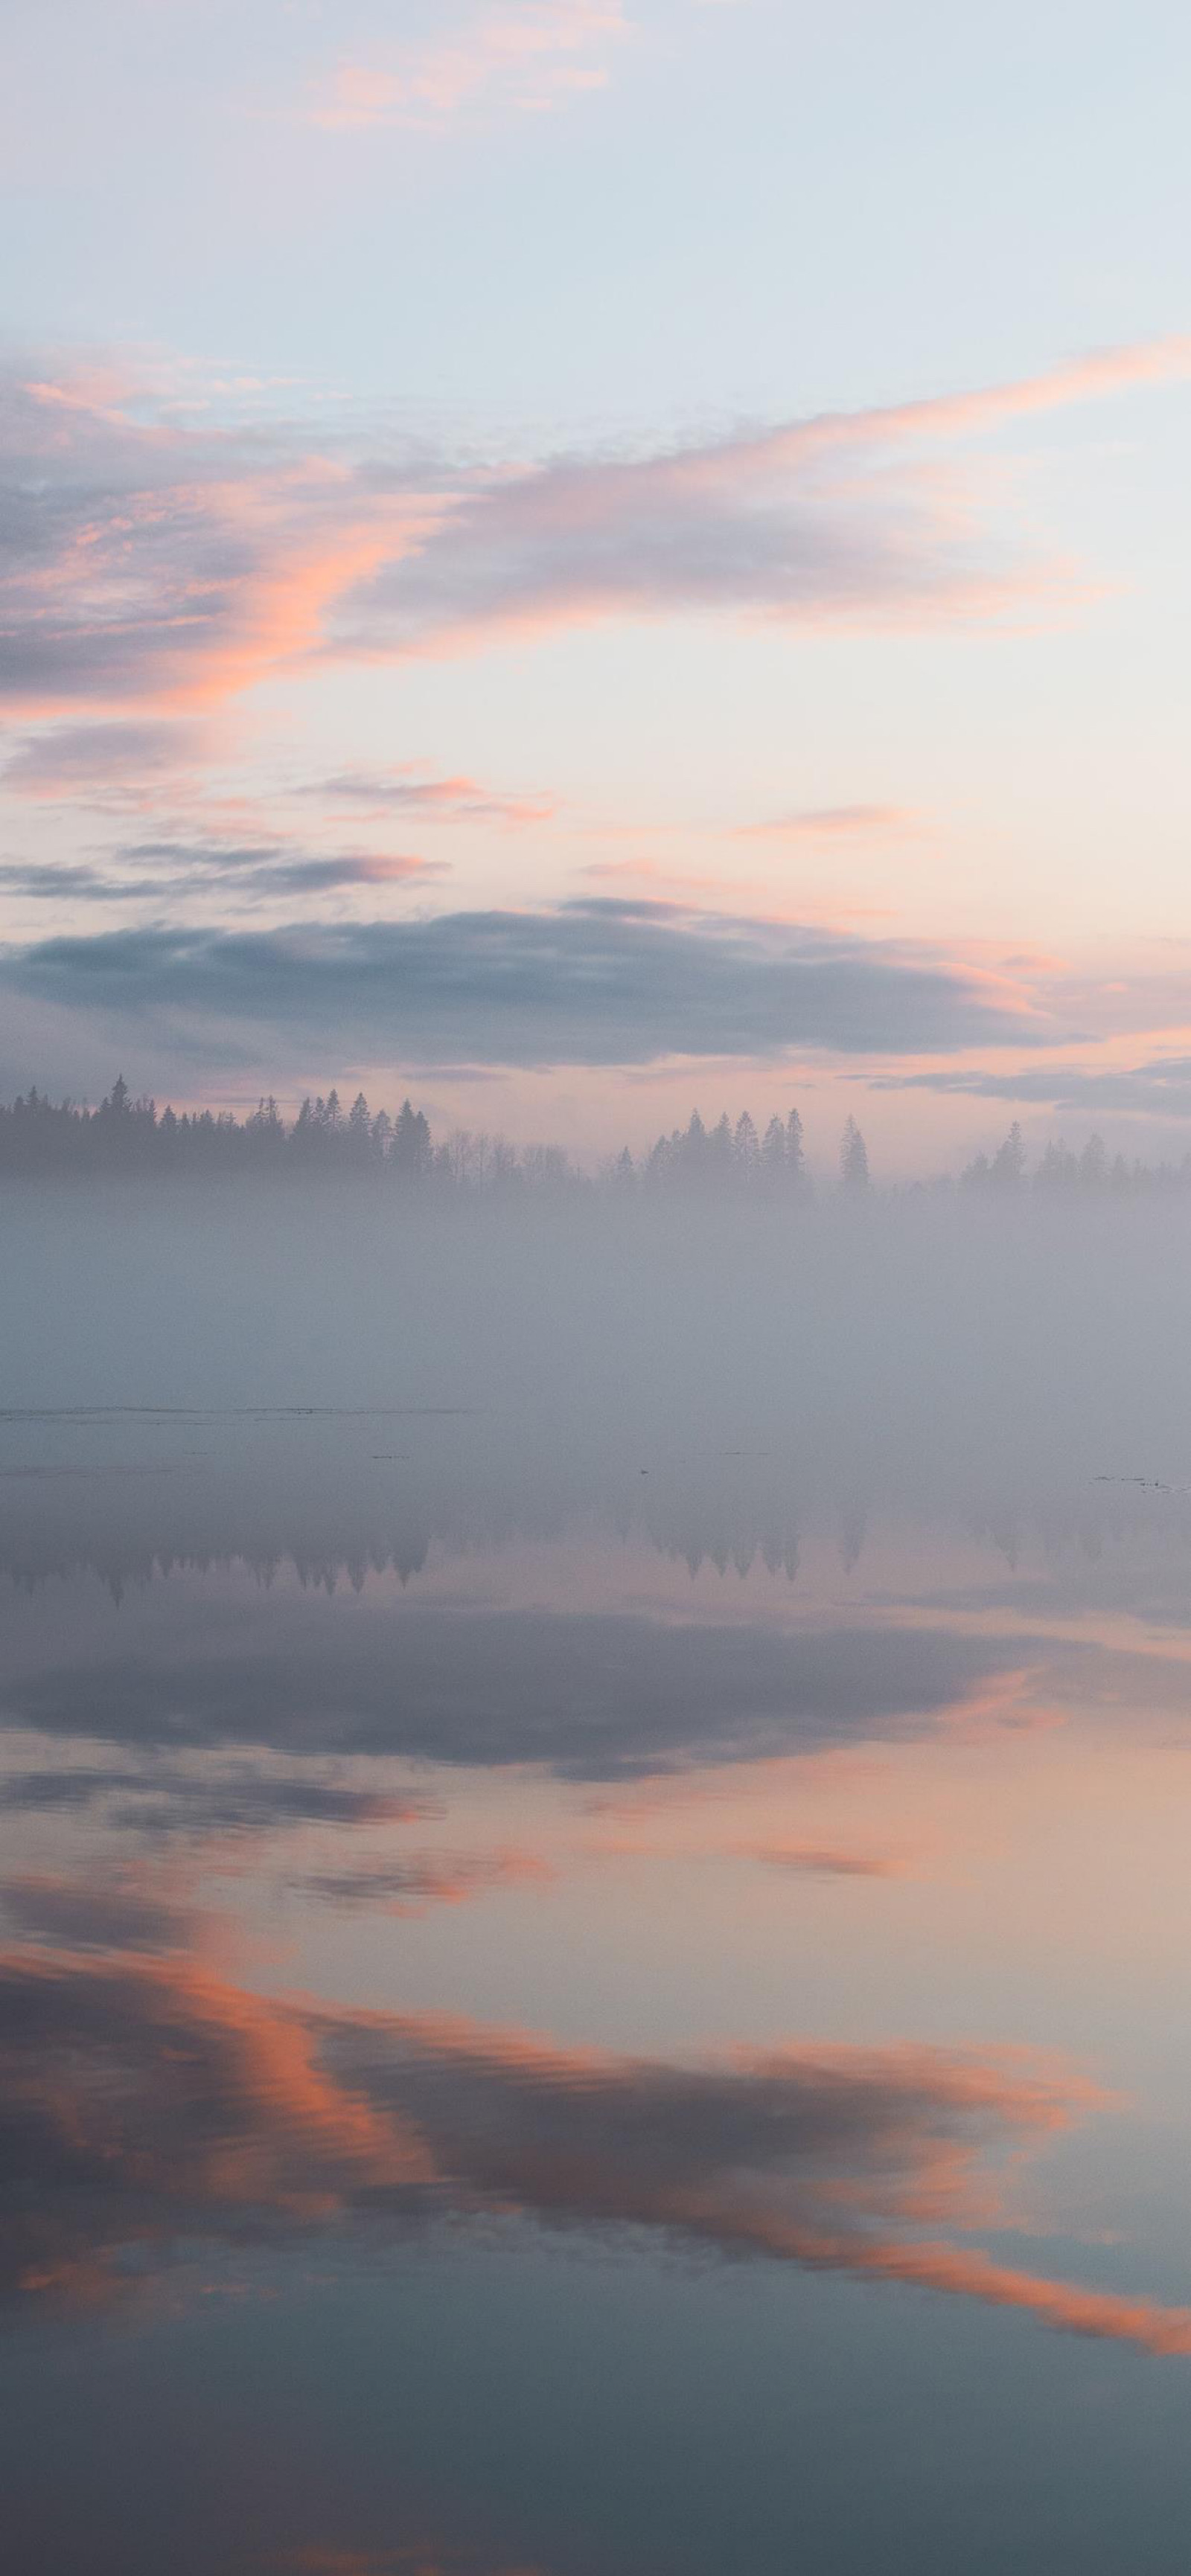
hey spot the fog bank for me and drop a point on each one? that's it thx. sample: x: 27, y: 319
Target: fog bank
x: 900, y: 1339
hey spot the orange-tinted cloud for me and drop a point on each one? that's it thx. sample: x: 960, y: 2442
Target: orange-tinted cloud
x: 1166, y: 360
x: 146, y: 2103
x: 161, y: 566
x: 177, y: 2093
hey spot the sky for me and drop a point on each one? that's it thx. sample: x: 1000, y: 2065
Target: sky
x: 586, y: 557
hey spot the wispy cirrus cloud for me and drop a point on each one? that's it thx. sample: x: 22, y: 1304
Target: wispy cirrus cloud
x: 512, y: 60
x: 823, y: 1860
x: 425, y: 1878
x: 155, y: 565
x: 409, y: 788
x: 280, y: 868
x: 353, y: 869
x: 151, y: 873
x: 818, y: 823
x: 152, y: 2103
x: 843, y: 519
x: 122, y: 1912
x: 151, y: 566
x: 691, y: 885
x: 239, y: 1800
x: 103, y: 761
x: 60, y: 881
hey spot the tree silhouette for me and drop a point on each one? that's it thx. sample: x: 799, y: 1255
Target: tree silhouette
x: 746, y: 1150
x: 1058, y: 1169
x: 726, y: 1163
x: 853, y: 1158
x: 410, y: 1151
x: 773, y: 1157
x: 796, y: 1171
x: 1008, y: 1167
x: 1093, y: 1164
x: 359, y: 1129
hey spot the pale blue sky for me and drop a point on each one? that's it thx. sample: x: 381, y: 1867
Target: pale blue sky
x: 767, y: 207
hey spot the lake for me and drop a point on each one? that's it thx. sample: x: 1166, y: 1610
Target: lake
x: 587, y: 2007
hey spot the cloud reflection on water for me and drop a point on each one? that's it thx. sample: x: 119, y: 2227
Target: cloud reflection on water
x: 592, y: 1695
x: 153, y: 2106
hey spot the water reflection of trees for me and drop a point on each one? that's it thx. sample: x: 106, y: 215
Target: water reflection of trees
x: 736, y: 1520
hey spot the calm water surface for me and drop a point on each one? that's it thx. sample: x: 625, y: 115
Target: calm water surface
x: 586, y: 2014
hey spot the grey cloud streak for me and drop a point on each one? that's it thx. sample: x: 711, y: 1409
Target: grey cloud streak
x: 407, y: 789
x: 98, y: 761
x: 116, y: 1913
x: 253, y: 873
x: 1159, y: 1088
x: 589, y: 983
x: 158, y: 1801
x: 61, y: 883
x: 277, y: 868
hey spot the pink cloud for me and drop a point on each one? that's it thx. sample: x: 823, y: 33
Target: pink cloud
x: 836, y: 823
x: 681, y: 881
x: 165, y: 567
x: 519, y: 61
x: 161, y: 567
x: 823, y: 523
x: 408, y: 788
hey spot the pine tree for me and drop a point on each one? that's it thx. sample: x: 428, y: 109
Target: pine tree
x: 796, y: 1171
x: 1093, y: 1164
x: 773, y: 1157
x: 719, y: 1153
x: 746, y: 1150
x: 359, y: 1130
x: 853, y: 1158
x: 1008, y: 1166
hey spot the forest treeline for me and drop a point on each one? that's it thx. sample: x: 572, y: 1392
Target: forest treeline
x: 124, y: 1135
x: 127, y: 1135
